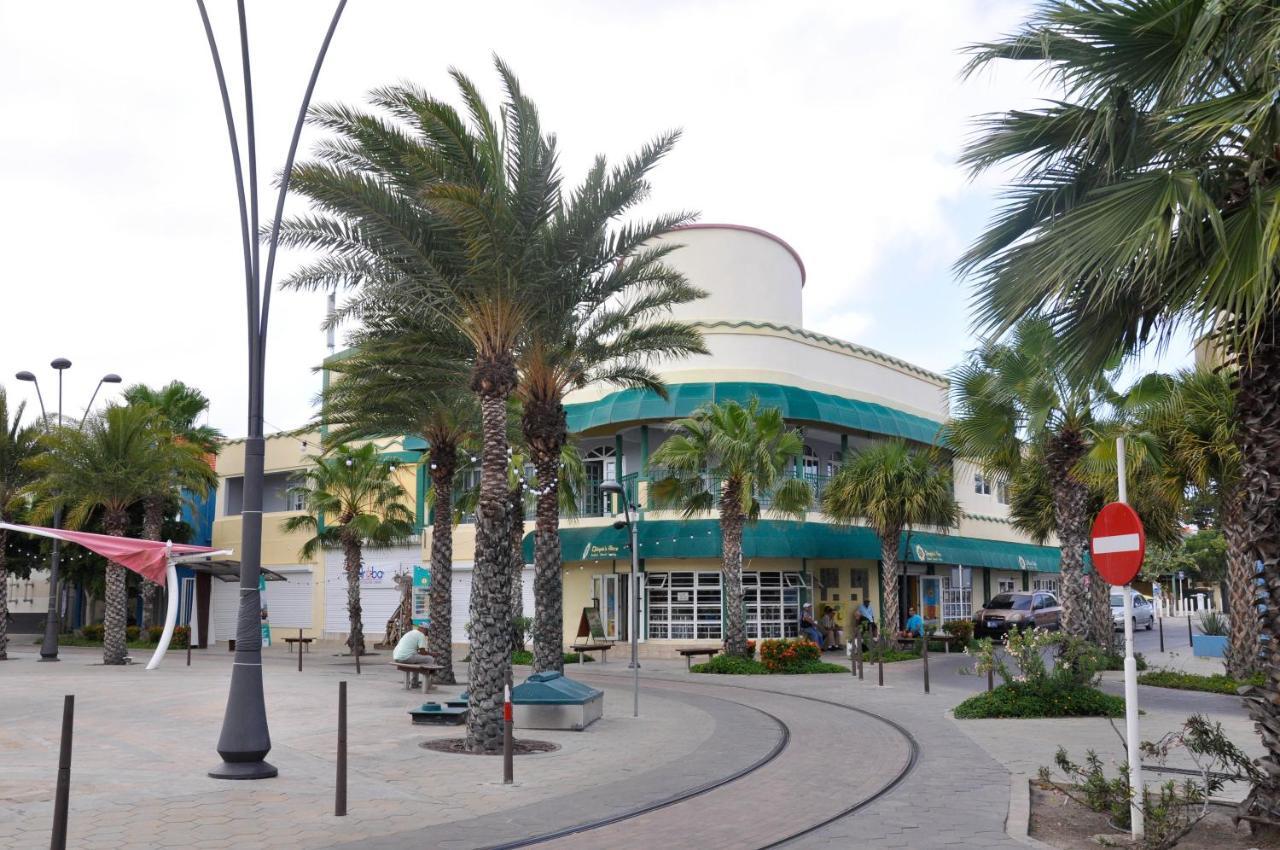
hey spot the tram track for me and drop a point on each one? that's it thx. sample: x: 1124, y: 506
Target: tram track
x: 912, y: 746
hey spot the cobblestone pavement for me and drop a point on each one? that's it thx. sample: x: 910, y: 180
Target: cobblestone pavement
x: 144, y: 741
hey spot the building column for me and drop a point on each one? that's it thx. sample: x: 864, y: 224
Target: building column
x: 844, y: 448
x: 1026, y: 580
x: 420, y: 514
x: 986, y: 585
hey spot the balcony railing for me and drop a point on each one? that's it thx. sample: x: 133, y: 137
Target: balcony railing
x: 714, y: 485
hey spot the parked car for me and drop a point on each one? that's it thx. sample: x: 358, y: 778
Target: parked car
x: 1144, y: 613
x: 1018, y: 610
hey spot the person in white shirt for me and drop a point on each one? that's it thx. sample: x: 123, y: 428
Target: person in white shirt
x: 412, y: 648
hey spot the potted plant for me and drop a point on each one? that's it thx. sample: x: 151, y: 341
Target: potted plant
x: 1212, y: 642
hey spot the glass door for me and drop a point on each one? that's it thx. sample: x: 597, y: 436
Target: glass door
x: 606, y: 591
x: 930, y: 603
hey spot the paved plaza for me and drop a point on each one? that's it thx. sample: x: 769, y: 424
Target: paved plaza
x: 712, y: 762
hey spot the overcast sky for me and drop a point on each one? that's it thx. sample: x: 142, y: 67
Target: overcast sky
x: 835, y: 125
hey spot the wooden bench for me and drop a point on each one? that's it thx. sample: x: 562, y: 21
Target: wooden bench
x: 688, y: 654
x: 306, y: 643
x: 411, y: 670
x: 937, y: 637
x: 583, y: 648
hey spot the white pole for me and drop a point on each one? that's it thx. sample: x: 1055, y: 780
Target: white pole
x: 1137, y: 827
x: 170, y: 613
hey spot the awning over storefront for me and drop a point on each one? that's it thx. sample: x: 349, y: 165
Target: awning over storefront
x: 230, y: 571
x: 796, y: 404
x: 700, y: 538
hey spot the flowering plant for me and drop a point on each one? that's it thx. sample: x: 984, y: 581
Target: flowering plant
x: 782, y: 655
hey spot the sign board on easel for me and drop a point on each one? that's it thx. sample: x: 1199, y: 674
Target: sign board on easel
x: 590, y: 626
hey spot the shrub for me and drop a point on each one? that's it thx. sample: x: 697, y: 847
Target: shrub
x: 1215, y: 684
x: 1213, y: 623
x: 154, y: 632
x: 962, y: 629
x: 525, y: 657
x: 92, y: 631
x: 1116, y: 662
x: 751, y: 649
x: 1041, y: 699
x: 181, y: 636
x: 131, y: 633
x: 731, y: 665
x: 890, y: 655
x: 779, y: 656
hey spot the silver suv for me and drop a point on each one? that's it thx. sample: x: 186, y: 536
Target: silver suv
x: 1144, y: 613
x: 1019, y: 610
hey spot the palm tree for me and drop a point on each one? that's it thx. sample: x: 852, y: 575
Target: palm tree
x: 178, y: 409
x: 105, y: 468
x: 1197, y: 425
x: 18, y: 445
x: 1019, y: 411
x: 894, y: 488
x: 733, y: 458
x: 1144, y: 201
x: 352, y: 500
x: 462, y: 218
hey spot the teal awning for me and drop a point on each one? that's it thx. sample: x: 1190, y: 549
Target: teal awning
x: 700, y: 538
x: 796, y: 404
x: 924, y: 548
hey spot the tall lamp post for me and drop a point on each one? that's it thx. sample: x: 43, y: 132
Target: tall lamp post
x: 52, y: 625
x: 632, y: 526
x: 245, y: 740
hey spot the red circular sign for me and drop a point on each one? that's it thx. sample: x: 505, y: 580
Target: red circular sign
x: 1117, y: 543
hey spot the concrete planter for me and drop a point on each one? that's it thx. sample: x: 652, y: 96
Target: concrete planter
x: 1209, y: 646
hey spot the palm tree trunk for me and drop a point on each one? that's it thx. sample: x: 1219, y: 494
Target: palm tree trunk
x: 731, y: 525
x: 440, y: 601
x: 490, y: 665
x: 116, y: 617
x: 515, y: 506
x: 1258, y: 412
x: 4, y: 596
x: 1070, y: 509
x: 1242, y: 643
x: 891, y: 605
x: 351, y: 557
x: 152, y: 523
x: 548, y: 574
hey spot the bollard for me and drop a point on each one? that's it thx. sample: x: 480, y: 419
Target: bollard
x: 924, y: 643
x: 508, y: 742
x: 358, y: 664
x: 340, y: 790
x: 881, y: 642
x: 1160, y: 623
x: 299, y: 651
x: 1190, y: 639
x: 63, y: 793
x: 188, y: 649
x: 861, y: 660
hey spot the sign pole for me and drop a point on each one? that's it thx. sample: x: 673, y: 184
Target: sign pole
x: 1137, y: 827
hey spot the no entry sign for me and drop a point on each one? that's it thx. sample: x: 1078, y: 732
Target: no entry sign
x: 1117, y: 543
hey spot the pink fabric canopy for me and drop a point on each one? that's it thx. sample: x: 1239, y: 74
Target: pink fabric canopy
x: 144, y: 557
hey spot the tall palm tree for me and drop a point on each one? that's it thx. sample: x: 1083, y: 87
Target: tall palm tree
x: 734, y: 459
x: 1019, y: 410
x: 1144, y: 201
x: 893, y: 488
x: 1198, y: 427
x: 104, y: 469
x: 178, y: 409
x: 461, y: 218
x: 352, y: 500
x: 18, y: 445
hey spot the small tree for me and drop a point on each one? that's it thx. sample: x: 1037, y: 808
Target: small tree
x: 894, y: 488
x: 733, y: 458
x: 352, y: 500
x: 18, y: 445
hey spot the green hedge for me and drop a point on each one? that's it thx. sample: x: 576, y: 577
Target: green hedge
x: 1215, y: 684
x: 732, y: 665
x: 1019, y: 699
x: 525, y: 657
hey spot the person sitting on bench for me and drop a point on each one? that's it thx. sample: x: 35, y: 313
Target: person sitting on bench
x: 915, y: 625
x: 412, y: 649
x: 808, y: 626
x: 832, y: 634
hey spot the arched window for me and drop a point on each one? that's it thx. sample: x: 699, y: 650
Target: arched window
x: 600, y: 464
x: 810, y: 463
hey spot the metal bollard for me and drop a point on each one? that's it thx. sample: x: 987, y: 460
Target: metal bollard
x: 1190, y: 638
x: 924, y: 643
x: 340, y: 789
x: 63, y: 794
x: 358, y: 663
x: 1160, y: 623
x: 508, y: 740
x: 299, y: 650
x: 188, y: 649
x: 881, y: 660
x: 862, y: 661
x: 991, y: 679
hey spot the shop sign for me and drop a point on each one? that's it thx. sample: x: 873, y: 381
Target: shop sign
x: 606, y: 550
x: 1026, y: 563
x: 928, y: 556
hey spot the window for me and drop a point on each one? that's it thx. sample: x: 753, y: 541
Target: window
x: 275, y: 493
x: 1049, y: 585
x: 600, y: 464
x: 297, y: 501
x: 684, y: 606
x: 773, y: 604
x: 1004, y: 585
x: 1002, y: 492
x: 957, y: 594
x: 981, y: 485
x: 810, y: 463
x: 832, y: 465
x: 828, y: 580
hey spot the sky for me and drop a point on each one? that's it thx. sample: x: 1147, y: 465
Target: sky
x: 834, y: 125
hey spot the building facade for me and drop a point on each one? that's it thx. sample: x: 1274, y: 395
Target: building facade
x: 841, y: 395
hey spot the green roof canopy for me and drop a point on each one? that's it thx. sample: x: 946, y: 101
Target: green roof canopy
x: 633, y: 405
x: 700, y: 538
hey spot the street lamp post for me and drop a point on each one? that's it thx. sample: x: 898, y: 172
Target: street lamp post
x: 633, y: 529
x: 245, y: 739
x: 52, y: 624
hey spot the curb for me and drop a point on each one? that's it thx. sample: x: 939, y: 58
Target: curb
x: 1018, y: 823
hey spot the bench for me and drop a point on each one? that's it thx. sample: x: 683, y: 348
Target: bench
x: 411, y: 670
x: 583, y: 648
x: 688, y: 654
x: 306, y: 643
x: 937, y: 637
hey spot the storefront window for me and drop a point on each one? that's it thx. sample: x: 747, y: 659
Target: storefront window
x: 684, y: 606
x: 957, y: 595
x: 773, y: 604
x: 1046, y: 584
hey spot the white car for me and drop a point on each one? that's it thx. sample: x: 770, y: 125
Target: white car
x: 1144, y: 613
